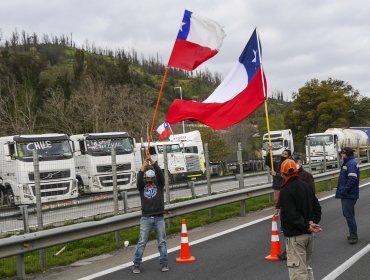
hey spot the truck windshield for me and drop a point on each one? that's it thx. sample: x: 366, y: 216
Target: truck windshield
x: 276, y: 145
x: 46, y: 150
x: 319, y: 140
x: 103, y: 147
x: 175, y: 148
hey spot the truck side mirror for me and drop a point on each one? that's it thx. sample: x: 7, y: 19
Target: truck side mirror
x: 7, y: 152
x: 76, y: 148
x: 80, y: 145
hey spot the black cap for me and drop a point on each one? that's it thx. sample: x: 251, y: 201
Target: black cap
x: 348, y: 151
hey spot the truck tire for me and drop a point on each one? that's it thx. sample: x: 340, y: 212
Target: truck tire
x: 2, y: 194
x: 9, y: 197
x: 171, y: 178
x: 80, y: 186
x: 258, y: 165
x: 220, y: 171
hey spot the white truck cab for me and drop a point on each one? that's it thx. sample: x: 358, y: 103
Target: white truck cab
x: 56, y: 165
x: 94, y: 163
x: 181, y: 165
x: 280, y: 140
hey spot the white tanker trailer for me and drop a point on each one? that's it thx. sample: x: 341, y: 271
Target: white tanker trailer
x: 334, y: 139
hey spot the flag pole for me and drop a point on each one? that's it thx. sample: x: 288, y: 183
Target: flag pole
x: 156, y: 108
x: 265, y: 102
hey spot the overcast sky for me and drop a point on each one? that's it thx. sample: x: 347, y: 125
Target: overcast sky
x: 301, y: 40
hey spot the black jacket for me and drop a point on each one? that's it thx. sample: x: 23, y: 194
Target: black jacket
x: 151, y: 195
x: 298, y: 206
x: 277, y: 180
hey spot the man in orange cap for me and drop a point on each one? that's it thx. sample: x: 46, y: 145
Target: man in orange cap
x: 300, y: 212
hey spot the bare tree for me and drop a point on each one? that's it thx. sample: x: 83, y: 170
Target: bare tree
x: 95, y: 107
x: 18, y: 114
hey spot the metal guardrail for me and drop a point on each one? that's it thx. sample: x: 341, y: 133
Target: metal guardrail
x: 6, y: 213
x: 19, y: 245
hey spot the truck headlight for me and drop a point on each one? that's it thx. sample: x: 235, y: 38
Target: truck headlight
x: 177, y: 169
x: 26, y: 189
x: 74, y: 186
x: 95, y: 181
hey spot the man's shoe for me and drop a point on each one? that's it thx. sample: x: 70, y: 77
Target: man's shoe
x: 136, y: 269
x: 352, y: 241
x: 165, y: 268
x: 282, y: 256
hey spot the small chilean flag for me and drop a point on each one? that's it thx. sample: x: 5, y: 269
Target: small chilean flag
x: 164, y: 130
x: 198, y: 40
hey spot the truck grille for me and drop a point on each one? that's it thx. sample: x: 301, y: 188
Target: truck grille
x: 52, y: 189
x: 108, y: 168
x: 51, y: 175
x: 122, y: 179
x: 192, y: 163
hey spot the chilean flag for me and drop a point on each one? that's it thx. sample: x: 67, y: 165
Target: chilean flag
x: 238, y: 96
x: 198, y: 40
x: 164, y: 130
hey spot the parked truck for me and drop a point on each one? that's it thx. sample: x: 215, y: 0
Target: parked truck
x: 334, y: 139
x: 182, y: 165
x: 192, y: 143
x: 280, y: 140
x: 94, y: 162
x: 364, y: 129
x: 56, y: 168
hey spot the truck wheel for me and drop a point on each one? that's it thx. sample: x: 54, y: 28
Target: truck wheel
x: 1, y: 195
x: 220, y: 171
x: 80, y: 186
x: 258, y: 165
x: 9, y: 197
x: 171, y: 178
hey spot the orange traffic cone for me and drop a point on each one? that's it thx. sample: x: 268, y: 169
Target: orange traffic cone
x: 275, y: 243
x: 185, y: 255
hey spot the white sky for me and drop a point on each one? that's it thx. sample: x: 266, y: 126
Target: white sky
x: 301, y: 39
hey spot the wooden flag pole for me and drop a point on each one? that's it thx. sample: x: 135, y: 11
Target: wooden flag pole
x: 156, y: 108
x: 268, y: 135
x: 266, y: 111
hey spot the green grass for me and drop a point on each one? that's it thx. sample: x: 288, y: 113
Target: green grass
x: 98, y: 245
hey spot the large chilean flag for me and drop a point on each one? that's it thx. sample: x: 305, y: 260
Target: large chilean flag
x: 238, y: 96
x: 198, y: 40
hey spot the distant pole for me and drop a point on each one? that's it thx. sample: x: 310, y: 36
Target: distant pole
x: 183, y: 123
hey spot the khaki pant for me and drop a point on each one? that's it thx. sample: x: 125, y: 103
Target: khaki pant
x: 299, y: 252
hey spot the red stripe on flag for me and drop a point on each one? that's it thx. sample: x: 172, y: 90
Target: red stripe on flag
x: 220, y: 115
x: 188, y: 56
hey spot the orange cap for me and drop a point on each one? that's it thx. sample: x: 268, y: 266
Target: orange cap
x: 289, y: 167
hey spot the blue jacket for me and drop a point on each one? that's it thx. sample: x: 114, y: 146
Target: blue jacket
x: 349, y: 178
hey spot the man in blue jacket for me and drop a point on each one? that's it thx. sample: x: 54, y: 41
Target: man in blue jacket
x: 348, y: 191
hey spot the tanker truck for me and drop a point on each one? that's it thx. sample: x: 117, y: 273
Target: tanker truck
x: 334, y: 139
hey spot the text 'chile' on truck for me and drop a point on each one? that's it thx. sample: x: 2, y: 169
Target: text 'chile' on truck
x: 56, y: 166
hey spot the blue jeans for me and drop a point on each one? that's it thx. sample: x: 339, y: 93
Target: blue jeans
x: 348, y: 208
x: 146, y: 225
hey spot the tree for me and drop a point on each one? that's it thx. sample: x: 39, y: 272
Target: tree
x: 217, y: 147
x: 18, y: 112
x: 320, y: 105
